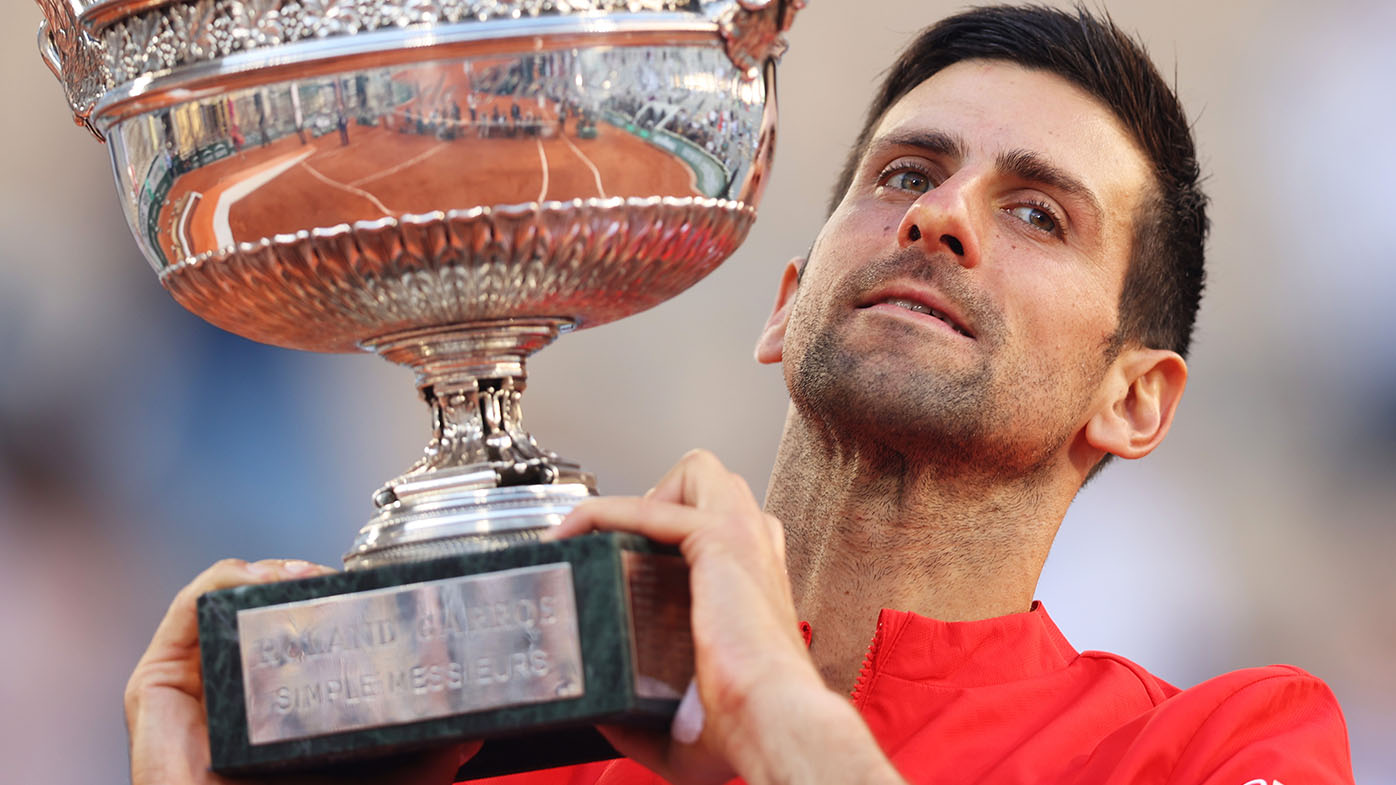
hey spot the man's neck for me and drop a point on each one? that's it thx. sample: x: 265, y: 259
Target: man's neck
x: 866, y: 529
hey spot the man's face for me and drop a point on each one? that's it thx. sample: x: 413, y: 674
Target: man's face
x: 1003, y: 200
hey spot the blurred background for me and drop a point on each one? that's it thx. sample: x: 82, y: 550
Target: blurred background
x: 138, y: 444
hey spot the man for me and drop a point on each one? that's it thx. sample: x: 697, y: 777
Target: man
x: 1000, y: 300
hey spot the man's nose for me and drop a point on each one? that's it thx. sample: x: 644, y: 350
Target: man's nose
x: 942, y: 219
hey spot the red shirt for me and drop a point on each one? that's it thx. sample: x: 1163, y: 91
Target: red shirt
x: 1008, y: 700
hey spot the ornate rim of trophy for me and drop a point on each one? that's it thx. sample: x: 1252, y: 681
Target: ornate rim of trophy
x: 462, y: 293
x: 118, y: 58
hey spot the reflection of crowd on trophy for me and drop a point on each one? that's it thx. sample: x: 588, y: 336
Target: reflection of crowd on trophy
x: 671, y: 91
x: 257, y: 118
x: 507, y: 99
x: 503, y: 100
x: 647, y: 91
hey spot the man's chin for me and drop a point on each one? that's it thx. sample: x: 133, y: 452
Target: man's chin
x: 877, y: 395
x: 953, y: 420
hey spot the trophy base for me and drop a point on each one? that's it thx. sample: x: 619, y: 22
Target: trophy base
x: 526, y: 647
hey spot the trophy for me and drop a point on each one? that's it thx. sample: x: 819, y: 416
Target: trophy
x: 450, y: 184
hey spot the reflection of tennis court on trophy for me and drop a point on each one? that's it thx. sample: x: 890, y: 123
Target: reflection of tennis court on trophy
x: 513, y: 153
x: 628, y: 122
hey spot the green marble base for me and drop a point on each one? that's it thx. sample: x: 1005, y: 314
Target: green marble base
x: 631, y: 631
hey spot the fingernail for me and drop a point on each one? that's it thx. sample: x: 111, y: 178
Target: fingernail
x: 548, y: 535
x: 688, y: 720
x: 297, y: 566
x: 257, y: 569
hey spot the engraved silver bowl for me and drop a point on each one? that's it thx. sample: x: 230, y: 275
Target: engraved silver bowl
x: 447, y: 183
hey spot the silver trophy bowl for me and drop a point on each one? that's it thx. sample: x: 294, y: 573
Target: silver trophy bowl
x: 450, y: 184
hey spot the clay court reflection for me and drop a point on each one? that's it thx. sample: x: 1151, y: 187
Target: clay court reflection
x: 623, y: 122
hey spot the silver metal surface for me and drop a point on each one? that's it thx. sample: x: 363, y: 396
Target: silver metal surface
x: 447, y: 183
x: 389, y: 46
x: 451, y: 521
x: 483, y: 482
x: 74, y: 56
x: 410, y: 653
x: 95, y: 47
x: 178, y: 34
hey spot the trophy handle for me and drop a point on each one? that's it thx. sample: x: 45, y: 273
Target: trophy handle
x: 49, y: 52
x: 75, y: 58
x: 754, y: 32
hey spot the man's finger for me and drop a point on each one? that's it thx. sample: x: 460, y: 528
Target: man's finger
x: 678, y: 484
x: 700, y: 480
x: 660, y: 521
x: 670, y: 486
x: 180, y: 630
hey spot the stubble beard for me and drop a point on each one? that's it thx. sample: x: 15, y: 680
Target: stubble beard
x: 971, y: 421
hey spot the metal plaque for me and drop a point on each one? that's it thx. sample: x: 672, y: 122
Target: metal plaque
x: 410, y: 653
x: 661, y: 626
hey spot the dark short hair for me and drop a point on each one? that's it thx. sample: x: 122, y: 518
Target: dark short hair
x: 1164, y: 280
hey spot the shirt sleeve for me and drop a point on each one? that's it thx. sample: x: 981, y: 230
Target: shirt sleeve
x: 1283, y: 728
x: 1262, y: 726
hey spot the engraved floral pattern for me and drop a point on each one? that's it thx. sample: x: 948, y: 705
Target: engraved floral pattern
x: 261, y: 20
x: 199, y: 30
x: 161, y: 39
x: 333, y: 289
x: 194, y: 25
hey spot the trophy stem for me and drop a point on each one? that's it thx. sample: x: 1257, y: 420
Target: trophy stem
x: 483, y: 481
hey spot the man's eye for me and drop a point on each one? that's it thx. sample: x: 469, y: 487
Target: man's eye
x: 1035, y: 217
x: 909, y: 180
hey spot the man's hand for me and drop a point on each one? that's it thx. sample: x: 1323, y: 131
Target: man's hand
x: 165, y: 698
x: 766, y: 714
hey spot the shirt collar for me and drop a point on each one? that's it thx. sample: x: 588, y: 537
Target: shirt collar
x: 968, y: 653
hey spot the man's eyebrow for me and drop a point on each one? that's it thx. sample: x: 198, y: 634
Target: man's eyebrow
x: 938, y: 142
x: 1029, y: 166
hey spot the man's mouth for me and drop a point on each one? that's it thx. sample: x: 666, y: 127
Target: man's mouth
x: 919, y: 307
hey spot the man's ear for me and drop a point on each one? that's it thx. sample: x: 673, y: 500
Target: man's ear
x: 770, y: 347
x: 1142, y: 393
